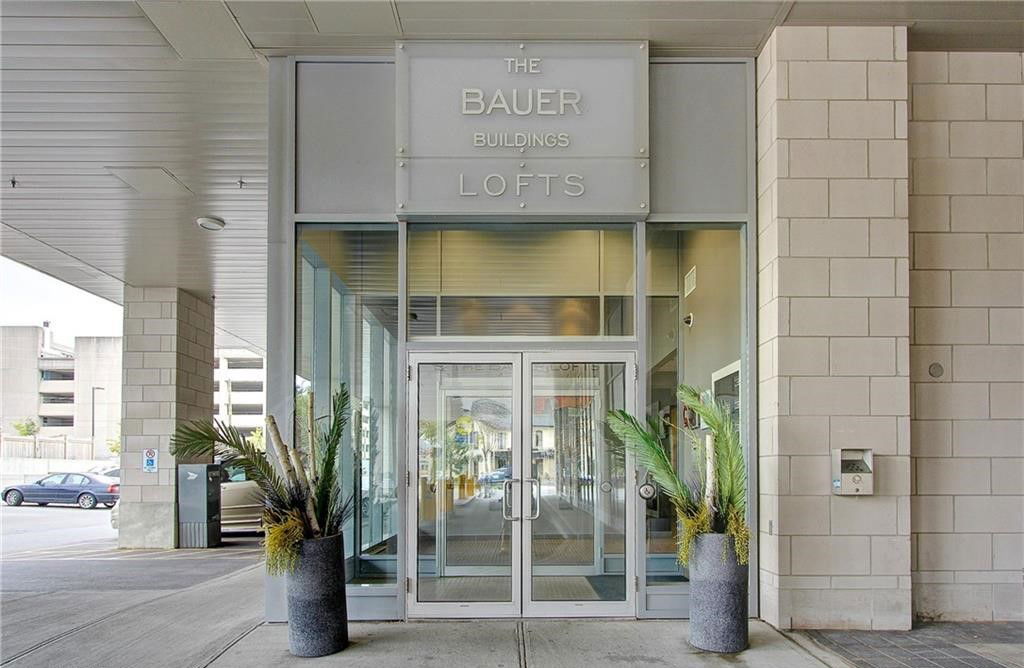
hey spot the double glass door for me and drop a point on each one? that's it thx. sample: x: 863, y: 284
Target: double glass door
x: 520, y: 495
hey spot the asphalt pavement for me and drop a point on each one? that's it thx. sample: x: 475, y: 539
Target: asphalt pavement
x: 30, y: 527
x: 70, y: 597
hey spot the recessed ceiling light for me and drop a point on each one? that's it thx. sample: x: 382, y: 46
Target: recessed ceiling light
x: 212, y: 223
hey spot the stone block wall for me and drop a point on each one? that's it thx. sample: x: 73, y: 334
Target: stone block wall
x: 833, y: 321
x: 167, y: 369
x: 967, y: 346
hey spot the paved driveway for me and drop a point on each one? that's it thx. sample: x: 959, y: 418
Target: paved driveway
x: 65, y: 601
x: 31, y: 527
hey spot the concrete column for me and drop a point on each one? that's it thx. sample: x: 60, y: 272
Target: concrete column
x: 168, y: 380
x: 966, y: 357
x: 833, y: 325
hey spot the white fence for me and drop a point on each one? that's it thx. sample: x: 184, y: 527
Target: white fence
x: 41, y: 447
x: 18, y: 470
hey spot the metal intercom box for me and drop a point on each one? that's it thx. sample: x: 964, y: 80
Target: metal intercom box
x: 199, y: 505
x: 853, y: 471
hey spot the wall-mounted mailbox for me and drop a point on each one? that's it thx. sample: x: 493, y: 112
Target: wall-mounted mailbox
x: 852, y: 471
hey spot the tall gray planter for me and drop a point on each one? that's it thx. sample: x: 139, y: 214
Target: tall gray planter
x: 718, y: 595
x: 317, y: 613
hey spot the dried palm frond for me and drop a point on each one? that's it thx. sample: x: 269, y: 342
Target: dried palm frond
x: 281, y: 541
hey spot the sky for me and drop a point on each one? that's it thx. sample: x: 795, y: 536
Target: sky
x: 28, y: 297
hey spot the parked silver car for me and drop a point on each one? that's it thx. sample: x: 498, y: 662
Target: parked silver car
x: 241, y: 505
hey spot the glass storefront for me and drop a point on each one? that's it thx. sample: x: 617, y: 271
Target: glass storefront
x: 694, y: 337
x: 346, y: 333
x: 519, y: 495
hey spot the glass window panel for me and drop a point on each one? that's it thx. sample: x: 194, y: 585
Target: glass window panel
x: 347, y: 333
x: 523, y: 280
x: 693, y: 274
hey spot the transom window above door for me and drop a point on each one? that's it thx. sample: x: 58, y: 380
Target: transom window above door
x: 521, y: 280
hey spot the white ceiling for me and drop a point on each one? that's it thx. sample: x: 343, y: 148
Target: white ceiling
x: 94, y: 85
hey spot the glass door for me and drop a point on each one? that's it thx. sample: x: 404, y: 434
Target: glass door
x: 464, y: 485
x: 578, y: 503
x: 520, y: 497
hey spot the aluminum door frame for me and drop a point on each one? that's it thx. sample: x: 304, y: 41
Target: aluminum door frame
x: 627, y: 607
x: 460, y: 609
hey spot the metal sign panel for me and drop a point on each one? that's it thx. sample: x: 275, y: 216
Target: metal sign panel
x: 537, y: 130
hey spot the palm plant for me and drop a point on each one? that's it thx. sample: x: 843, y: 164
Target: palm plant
x: 713, y: 498
x: 305, y: 500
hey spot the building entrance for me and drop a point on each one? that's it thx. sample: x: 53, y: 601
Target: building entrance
x: 521, y: 497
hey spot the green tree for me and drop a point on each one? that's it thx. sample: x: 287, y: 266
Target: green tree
x: 114, y: 445
x: 26, y: 427
x: 255, y: 439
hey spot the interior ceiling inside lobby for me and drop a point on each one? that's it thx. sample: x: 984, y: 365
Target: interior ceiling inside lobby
x: 92, y: 87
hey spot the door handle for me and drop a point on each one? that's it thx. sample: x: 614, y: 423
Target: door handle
x: 506, y: 505
x: 534, y: 500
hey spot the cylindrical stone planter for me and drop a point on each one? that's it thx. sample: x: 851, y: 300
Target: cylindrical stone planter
x: 718, y: 595
x: 317, y: 613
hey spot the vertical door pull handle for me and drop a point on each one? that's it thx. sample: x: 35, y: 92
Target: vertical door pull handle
x: 534, y: 500
x: 506, y: 503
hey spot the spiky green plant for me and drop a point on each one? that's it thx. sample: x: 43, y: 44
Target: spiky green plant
x: 714, y: 499
x: 305, y: 500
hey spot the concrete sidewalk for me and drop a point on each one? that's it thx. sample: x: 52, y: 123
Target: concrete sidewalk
x: 98, y: 607
x: 218, y: 623
x: 553, y: 643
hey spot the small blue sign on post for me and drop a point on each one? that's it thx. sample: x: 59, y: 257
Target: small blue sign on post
x: 149, y: 460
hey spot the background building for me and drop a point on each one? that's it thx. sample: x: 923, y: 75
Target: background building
x: 64, y: 387
x: 61, y: 387
x: 238, y: 394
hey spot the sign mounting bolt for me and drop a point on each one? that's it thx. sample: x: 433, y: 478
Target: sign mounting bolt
x: 643, y: 205
x: 401, y: 149
x: 401, y: 163
x: 522, y: 205
x: 642, y: 165
x: 522, y: 164
x: 401, y: 205
x: 522, y: 46
x: 401, y: 46
x: 643, y: 150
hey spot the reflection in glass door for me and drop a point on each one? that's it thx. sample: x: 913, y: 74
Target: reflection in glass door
x: 519, y: 491
x: 576, y: 505
x: 466, y: 429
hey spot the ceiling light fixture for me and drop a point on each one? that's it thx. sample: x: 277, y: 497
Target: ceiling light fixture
x: 211, y: 223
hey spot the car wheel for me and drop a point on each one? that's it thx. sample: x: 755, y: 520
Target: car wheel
x: 87, y: 501
x: 14, y: 498
x: 109, y: 505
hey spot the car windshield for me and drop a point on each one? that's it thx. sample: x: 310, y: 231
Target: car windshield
x: 234, y: 474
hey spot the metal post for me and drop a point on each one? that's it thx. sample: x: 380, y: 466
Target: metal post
x: 92, y: 423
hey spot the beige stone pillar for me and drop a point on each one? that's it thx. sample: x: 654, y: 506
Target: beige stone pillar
x: 168, y: 379
x: 967, y: 354
x: 833, y: 325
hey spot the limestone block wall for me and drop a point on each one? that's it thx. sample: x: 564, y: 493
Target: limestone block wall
x: 167, y: 379
x: 833, y: 323
x: 967, y: 346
